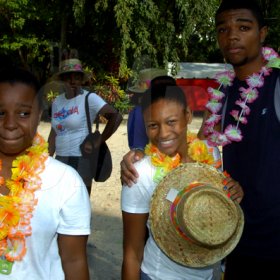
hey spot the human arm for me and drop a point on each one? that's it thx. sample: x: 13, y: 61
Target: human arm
x: 114, y: 119
x: 134, y: 237
x: 72, y: 250
x: 51, y: 141
x: 129, y: 174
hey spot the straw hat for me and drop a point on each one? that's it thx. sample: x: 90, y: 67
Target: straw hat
x: 144, y: 79
x: 192, y: 219
x: 71, y: 65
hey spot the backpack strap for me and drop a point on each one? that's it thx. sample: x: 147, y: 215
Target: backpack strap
x: 277, y: 98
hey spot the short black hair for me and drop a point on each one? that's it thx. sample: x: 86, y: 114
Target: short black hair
x: 163, y: 91
x: 163, y: 80
x: 15, y: 75
x: 251, y: 5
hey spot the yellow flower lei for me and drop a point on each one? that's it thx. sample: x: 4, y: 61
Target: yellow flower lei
x: 17, y: 207
x: 197, y: 151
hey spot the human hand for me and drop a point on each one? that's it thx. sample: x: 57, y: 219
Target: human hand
x: 234, y: 189
x: 129, y: 174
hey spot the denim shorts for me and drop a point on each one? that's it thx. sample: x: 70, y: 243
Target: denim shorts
x: 144, y: 276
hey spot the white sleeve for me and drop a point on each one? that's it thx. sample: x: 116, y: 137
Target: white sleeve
x: 136, y: 199
x: 95, y: 102
x: 75, y: 212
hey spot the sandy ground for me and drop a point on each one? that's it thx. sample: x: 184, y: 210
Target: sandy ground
x: 105, y: 241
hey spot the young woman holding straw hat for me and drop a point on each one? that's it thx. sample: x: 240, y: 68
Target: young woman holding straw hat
x: 176, y: 249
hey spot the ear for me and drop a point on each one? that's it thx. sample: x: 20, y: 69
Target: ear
x: 263, y: 33
x: 40, y: 116
x: 188, y: 115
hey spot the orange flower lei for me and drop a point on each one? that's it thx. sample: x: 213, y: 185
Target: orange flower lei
x: 17, y: 207
x: 197, y: 151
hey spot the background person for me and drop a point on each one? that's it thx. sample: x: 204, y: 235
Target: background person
x: 136, y: 132
x: 45, y: 208
x: 69, y: 123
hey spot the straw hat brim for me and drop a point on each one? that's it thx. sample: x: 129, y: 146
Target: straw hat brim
x: 57, y: 76
x: 146, y: 75
x: 171, y: 243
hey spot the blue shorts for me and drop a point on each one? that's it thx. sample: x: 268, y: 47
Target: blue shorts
x: 144, y: 276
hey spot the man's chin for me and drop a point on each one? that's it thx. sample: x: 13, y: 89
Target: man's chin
x: 238, y: 63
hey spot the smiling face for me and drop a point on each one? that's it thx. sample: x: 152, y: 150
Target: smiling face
x: 240, y: 38
x: 19, y: 117
x: 166, y: 126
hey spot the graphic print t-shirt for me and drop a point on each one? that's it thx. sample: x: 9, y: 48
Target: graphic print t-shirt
x: 69, y: 121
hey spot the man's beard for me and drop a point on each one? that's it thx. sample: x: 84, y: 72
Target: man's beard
x: 240, y: 63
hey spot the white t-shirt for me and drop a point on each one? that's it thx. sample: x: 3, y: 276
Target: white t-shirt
x: 70, y: 123
x: 63, y: 207
x: 156, y: 264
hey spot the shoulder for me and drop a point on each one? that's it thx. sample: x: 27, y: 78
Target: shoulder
x: 59, y: 98
x: 145, y: 168
x: 136, y: 199
x: 93, y: 96
x: 59, y: 175
x: 146, y: 173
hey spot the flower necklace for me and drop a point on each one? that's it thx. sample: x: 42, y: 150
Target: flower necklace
x: 248, y: 95
x: 197, y: 151
x: 17, y: 207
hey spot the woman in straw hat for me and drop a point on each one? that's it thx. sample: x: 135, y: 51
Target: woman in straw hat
x: 69, y: 121
x: 175, y: 250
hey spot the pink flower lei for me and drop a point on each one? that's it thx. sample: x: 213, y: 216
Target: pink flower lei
x: 247, y: 95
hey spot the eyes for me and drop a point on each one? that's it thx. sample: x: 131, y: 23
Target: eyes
x: 224, y: 29
x: 71, y: 77
x: 154, y: 125
x: 22, y: 114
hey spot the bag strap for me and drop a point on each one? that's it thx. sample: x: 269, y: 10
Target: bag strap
x: 87, y: 113
x: 88, y: 116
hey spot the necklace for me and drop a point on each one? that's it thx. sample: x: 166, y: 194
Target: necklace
x: 247, y: 96
x: 16, y: 208
x: 197, y: 151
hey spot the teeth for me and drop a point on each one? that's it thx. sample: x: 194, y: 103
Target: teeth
x: 166, y: 142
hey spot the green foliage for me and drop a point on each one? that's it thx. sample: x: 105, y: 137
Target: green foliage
x: 163, y: 29
x: 108, y: 87
x: 115, y: 37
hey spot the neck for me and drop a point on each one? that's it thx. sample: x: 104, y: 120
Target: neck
x: 70, y: 93
x: 244, y: 71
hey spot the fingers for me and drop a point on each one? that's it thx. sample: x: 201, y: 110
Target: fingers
x: 128, y: 176
x: 234, y: 190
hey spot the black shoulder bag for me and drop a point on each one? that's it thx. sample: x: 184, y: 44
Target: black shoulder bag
x: 100, y: 158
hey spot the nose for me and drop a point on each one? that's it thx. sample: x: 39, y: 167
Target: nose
x: 232, y: 34
x: 164, y: 131
x: 10, y: 122
x: 71, y: 78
